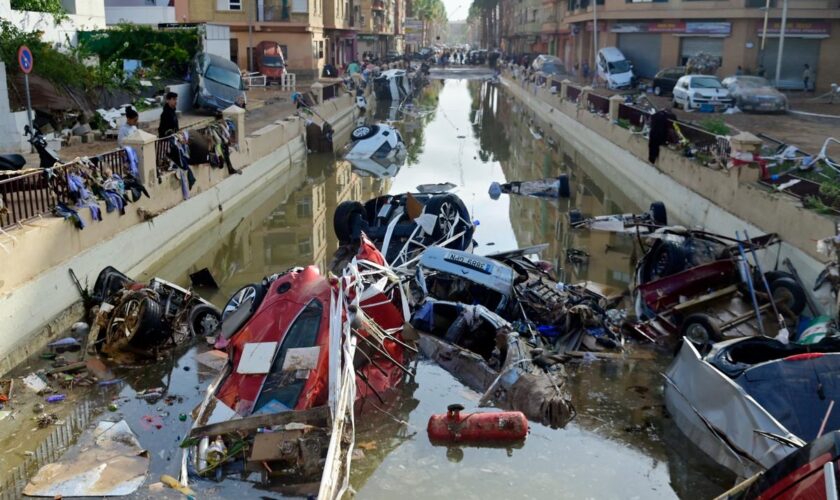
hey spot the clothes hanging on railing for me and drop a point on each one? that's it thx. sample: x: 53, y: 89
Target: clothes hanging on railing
x: 222, y: 134
x: 62, y: 210
x: 179, y: 154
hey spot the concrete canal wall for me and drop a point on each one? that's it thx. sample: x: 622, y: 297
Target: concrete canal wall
x: 37, y: 297
x: 721, y: 201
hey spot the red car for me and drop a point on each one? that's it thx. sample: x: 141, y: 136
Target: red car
x: 287, y: 322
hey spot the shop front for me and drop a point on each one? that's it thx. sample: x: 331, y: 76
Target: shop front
x: 803, y: 43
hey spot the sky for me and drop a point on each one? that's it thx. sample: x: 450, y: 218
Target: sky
x: 457, y: 10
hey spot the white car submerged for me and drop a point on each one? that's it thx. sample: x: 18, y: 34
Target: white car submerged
x: 376, y: 142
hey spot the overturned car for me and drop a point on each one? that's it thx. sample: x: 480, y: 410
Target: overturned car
x: 403, y: 226
x: 142, y: 318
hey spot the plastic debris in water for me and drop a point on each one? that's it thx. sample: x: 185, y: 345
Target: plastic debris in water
x: 56, y: 398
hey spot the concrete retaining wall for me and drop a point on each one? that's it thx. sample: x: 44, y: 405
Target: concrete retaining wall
x: 37, y: 297
x: 721, y: 201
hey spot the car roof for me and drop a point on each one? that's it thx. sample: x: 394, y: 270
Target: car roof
x: 214, y: 60
x: 612, y: 54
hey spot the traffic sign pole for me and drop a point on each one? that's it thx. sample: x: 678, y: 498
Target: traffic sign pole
x: 28, y: 101
x: 26, y: 62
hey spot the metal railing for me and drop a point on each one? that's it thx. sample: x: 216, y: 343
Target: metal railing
x: 572, y: 93
x: 56, y: 443
x: 598, y: 103
x: 637, y: 117
x: 26, y: 196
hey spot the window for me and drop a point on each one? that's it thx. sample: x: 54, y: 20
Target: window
x: 534, y: 15
x: 305, y: 246
x: 304, y: 207
x: 228, y: 4
x: 282, y: 389
x: 301, y: 6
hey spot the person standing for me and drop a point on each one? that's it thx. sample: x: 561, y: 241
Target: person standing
x: 130, y: 125
x: 169, y: 116
x: 807, y: 76
x: 739, y: 71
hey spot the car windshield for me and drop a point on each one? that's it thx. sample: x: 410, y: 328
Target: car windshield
x: 705, y: 83
x: 272, y: 62
x: 752, y: 82
x: 224, y: 76
x: 619, y: 66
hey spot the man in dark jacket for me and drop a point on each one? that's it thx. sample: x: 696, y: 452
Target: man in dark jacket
x: 169, y: 116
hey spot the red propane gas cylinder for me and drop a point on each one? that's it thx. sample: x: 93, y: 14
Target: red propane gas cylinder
x: 496, y: 427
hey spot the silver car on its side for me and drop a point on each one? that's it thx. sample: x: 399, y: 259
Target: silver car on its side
x: 216, y: 83
x: 754, y: 93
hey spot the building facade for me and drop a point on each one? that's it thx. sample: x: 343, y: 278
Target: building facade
x: 656, y: 34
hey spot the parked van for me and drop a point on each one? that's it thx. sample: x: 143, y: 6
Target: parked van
x: 615, y: 69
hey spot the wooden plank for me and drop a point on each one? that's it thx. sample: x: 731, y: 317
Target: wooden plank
x: 706, y: 298
x: 318, y: 416
x: 72, y: 367
x: 635, y: 356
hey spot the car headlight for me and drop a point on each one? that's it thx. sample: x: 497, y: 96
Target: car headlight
x: 697, y: 95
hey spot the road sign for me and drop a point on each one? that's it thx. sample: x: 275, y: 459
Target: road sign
x: 25, y: 59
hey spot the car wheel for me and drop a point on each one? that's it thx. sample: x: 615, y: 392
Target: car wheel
x: 663, y: 260
x: 204, y: 320
x: 452, y: 218
x: 788, y: 294
x: 249, y: 294
x: 657, y: 90
x: 658, y: 213
x: 137, y: 320
x: 700, y: 329
x: 364, y: 132
x: 345, y: 219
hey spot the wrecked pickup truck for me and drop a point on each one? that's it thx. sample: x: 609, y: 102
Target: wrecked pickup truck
x: 142, y: 318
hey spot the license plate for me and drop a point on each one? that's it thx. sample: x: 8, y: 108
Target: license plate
x: 476, y: 264
x: 767, y: 105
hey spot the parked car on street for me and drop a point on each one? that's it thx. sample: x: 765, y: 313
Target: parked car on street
x: 665, y: 81
x: 216, y: 83
x: 754, y: 93
x: 695, y: 91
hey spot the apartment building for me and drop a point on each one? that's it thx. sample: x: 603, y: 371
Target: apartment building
x: 382, y: 26
x: 296, y: 25
x: 656, y: 34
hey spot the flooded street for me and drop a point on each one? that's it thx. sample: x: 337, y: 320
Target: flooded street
x: 469, y: 133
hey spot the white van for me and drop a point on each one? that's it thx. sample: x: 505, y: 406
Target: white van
x: 614, y: 68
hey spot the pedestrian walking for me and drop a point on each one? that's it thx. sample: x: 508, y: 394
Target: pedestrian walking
x: 807, y: 76
x: 169, y: 116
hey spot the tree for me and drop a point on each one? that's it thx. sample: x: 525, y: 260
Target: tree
x: 53, y: 7
x: 485, y: 14
x: 432, y: 13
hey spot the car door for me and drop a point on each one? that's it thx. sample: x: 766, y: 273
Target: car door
x: 679, y: 93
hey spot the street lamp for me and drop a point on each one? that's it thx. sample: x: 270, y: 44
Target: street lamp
x: 781, y: 42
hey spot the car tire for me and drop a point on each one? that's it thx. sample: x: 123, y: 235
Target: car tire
x: 343, y: 220
x: 663, y: 260
x: 658, y: 213
x: 364, y: 132
x: 787, y: 293
x: 657, y: 91
x: 450, y: 210
x: 204, y: 320
x: 563, y: 189
x: 254, y: 292
x: 700, y: 329
x: 138, y: 319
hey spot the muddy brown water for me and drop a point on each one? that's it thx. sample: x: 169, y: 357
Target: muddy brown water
x: 465, y: 131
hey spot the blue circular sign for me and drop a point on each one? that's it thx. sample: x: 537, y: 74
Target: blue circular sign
x: 25, y: 59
